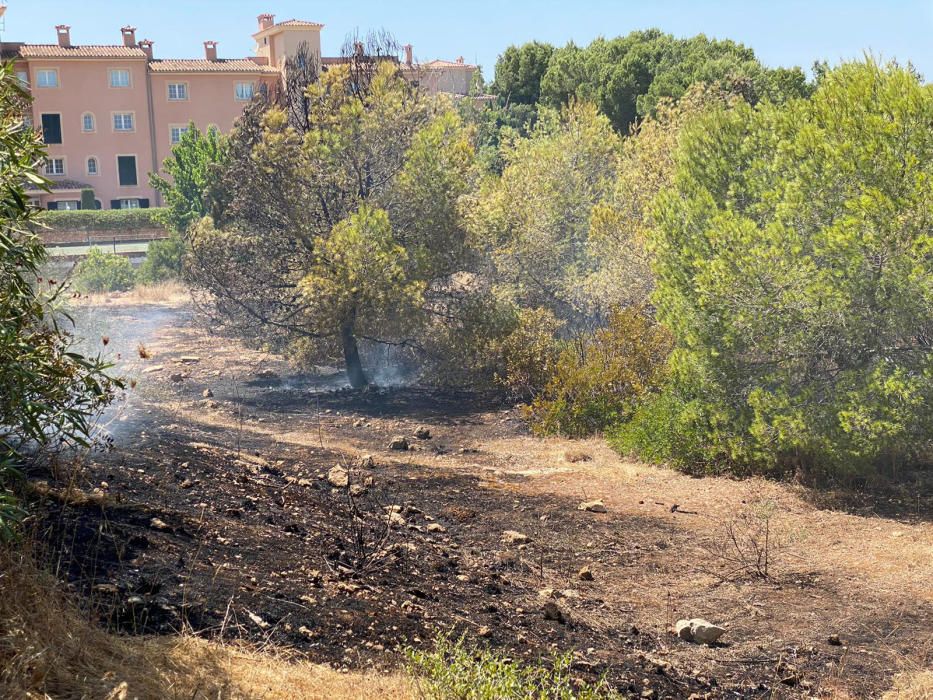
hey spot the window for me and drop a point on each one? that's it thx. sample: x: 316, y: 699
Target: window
x: 23, y: 77
x: 123, y: 121
x: 55, y: 166
x: 176, y: 133
x: 52, y: 128
x: 129, y: 204
x: 87, y: 122
x: 126, y: 169
x: 67, y: 205
x: 244, y: 91
x: 92, y: 166
x: 119, y: 78
x: 47, y: 78
x: 178, y: 91
x: 27, y: 120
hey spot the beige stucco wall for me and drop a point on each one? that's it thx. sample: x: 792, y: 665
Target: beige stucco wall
x: 455, y: 80
x: 286, y: 43
x: 84, y: 86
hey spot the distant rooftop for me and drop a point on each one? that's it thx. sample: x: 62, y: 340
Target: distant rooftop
x: 87, y: 51
x: 200, y: 65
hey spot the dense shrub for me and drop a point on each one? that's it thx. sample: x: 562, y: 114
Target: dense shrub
x: 48, y: 392
x: 163, y: 261
x: 456, y: 669
x: 599, y: 377
x: 103, y: 272
x: 794, y: 265
x: 103, y: 219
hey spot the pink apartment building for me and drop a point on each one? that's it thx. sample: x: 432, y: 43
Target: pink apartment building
x: 110, y: 114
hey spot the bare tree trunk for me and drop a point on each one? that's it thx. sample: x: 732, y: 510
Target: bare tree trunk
x: 351, y: 356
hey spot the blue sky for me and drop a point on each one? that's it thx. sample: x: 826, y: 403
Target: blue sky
x: 782, y: 32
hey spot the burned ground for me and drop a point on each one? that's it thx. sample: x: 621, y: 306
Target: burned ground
x: 215, y: 514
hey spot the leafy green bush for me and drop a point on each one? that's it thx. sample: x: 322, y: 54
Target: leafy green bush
x: 103, y: 219
x: 530, y: 353
x: 163, y: 260
x: 103, y: 272
x: 794, y: 262
x: 455, y: 669
x: 599, y: 378
x: 48, y: 392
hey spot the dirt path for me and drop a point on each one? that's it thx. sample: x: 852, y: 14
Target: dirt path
x: 216, y: 513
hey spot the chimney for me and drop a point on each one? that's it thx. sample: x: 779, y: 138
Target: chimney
x: 265, y: 21
x: 210, y: 50
x: 408, y: 55
x: 460, y: 60
x: 129, y: 36
x: 64, y: 34
x: 146, y: 45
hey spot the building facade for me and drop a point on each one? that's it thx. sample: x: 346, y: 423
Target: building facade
x: 110, y: 114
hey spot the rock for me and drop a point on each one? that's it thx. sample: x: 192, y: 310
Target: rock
x: 338, y: 477
x: 699, y: 631
x: 398, y: 443
x: 552, y: 611
x: 267, y: 374
x: 592, y: 506
x: 515, y: 537
x: 357, y: 490
x: 156, y: 368
x: 211, y: 404
x: 207, y: 394
x: 157, y: 524
x: 585, y: 574
x: 574, y: 456
x: 176, y: 377
x: 436, y: 527
x: 484, y: 632
x: 423, y: 433
x: 258, y: 621
x: 106, y: 588
x: 546, y: 593
x: 189, y: 359
x: 366, y: 462
x: 834, y: 640
x: 397, y: 520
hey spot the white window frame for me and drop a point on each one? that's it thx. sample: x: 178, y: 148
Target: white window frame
x: 87, y: 163
x: 184, y: 91
x: 84, y: 128
x: 75, y: 202
x: 119, y: 71
x: 130, y: 203
x: 238, y: 96
x: 50, y: 163
x: 123, y: 115
x: 181, y: 128
x: 45, y: 84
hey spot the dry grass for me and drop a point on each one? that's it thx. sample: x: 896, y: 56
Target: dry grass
x: 49, y: 650
x: 170, y: 293
x: 911, y: 686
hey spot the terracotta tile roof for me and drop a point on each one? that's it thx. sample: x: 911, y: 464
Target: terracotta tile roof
x: 297, y: 23
x: 89, y: 51
x: 438, y: 63
x: 200, y: 65
x: 59, y: 185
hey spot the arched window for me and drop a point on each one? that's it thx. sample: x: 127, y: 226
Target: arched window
x: 92, y: 166
x: 87, y: 122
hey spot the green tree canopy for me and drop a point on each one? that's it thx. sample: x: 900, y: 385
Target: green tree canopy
x: 795, y: 267
x: 519, y: 71
x: 338, y: 229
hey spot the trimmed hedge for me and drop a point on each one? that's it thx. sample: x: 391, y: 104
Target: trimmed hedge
x: 102, y: 219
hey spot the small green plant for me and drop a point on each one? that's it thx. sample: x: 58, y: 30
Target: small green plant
x: 457, y: 670
x: 163, y: 260
x: 103, y: 272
